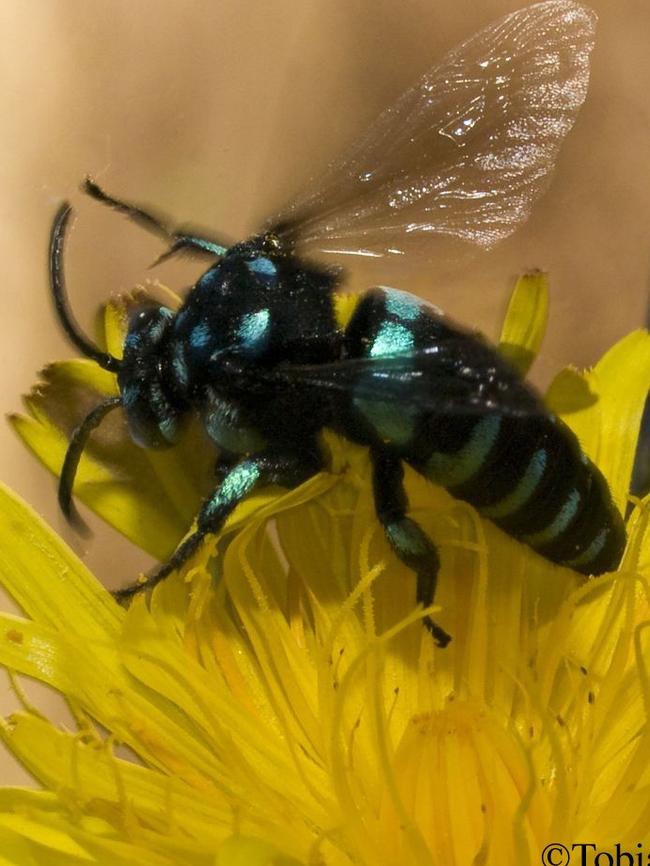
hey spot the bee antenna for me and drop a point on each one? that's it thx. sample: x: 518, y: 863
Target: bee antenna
x: 57, y: 285
x: 180, y: 241
x: 146, y: 220
x: 72, y: 457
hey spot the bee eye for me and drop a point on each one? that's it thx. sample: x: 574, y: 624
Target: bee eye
x: 152, y: 411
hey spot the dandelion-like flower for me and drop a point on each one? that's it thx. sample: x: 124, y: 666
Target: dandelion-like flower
x: 278, y: 702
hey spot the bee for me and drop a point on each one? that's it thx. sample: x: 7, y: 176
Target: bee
x: 257, y: 350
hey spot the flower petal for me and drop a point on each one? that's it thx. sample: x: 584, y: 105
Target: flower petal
x: 608, y: 429
x: 250, y: 851
x: 46, y: 579
x: 525, y: 322
x: 50, y: 838
x: 93, y: 775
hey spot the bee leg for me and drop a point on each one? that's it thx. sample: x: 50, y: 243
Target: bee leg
x: 179, y: 240
x: 282, y: 468
x: 408, y: 540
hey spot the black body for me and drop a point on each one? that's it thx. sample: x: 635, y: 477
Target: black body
x: 258, y: 352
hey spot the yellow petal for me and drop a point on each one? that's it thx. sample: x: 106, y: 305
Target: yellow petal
x: 525, y: 322
x: 115, y: 327
x: 46, y: 837
x: 344, y: 307
x: 91, y: 772
x: 15, y: 850
x: 93, y: 675
x: 608, y: 429
x: 46, y: 579
x: 249, y: 851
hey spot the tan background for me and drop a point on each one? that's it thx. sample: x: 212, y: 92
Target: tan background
x: 214, y: 111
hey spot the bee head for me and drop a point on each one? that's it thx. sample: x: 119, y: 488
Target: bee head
x: 152, y: 408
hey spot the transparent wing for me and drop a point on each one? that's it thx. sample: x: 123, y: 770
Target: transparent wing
x: 459, y: 376
x: 465, y: 152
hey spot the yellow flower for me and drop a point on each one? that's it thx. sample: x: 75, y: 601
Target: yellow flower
x: 291, y: 709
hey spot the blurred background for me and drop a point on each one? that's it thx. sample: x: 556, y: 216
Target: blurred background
x: 216, y: 112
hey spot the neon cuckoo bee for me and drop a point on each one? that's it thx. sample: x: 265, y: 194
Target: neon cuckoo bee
x: 257, y: 351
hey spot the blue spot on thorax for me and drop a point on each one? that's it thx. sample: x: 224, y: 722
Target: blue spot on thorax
x: 263, y: 267
x: 253, y: 329
x: 210, y: 278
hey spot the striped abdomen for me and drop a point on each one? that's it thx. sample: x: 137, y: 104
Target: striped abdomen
x: 525, y: 472
x: 529, y: 476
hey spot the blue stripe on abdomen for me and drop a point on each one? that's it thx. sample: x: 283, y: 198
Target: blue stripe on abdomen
x: 390, y: 422
x: 524, y: 490
x: 460, y: 466
x: 565, y: 515
x: 530, y: 477
x: 526, y: 473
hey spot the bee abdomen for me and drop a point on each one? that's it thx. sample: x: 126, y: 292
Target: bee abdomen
x: 530, y: 477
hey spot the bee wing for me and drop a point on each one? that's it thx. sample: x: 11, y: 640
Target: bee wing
x: 456, y: 377
x: 465, y: 152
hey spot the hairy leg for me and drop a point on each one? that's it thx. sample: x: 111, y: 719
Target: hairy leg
x: 286, y: 469
x: 408, y: 540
